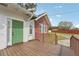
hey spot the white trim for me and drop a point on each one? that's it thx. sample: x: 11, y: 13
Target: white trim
x: 30, y: 17
x: 10, y: 32
x: 41, y: 16
x: 10, y: 37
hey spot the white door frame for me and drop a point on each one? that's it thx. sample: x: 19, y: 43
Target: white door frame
x: 9, y: 32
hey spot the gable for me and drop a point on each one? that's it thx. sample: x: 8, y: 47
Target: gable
x: 43, y: 19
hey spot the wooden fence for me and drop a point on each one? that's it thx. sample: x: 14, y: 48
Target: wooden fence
x: 74, y: 44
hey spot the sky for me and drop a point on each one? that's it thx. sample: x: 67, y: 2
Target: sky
x: 60, y: 12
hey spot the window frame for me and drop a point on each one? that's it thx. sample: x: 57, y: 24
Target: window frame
x: 31, y: 29
x: 42, y: 28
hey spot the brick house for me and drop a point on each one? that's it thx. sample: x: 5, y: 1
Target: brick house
x: 42, y: 25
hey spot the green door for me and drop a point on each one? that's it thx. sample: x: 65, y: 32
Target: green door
x: 17, y: 31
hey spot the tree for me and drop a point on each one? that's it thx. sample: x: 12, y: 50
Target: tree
x: 65, y: 25
x: 29, y: 6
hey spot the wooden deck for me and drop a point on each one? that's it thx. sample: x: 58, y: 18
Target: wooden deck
x: 36, y: 48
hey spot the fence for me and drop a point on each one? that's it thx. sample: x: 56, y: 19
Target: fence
x: 74, y: 44
x: 53, y: 37
x: 48, y: 38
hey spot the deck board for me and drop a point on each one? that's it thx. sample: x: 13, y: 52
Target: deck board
x: 34, y: 48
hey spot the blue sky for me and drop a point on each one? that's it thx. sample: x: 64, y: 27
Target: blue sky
x: 60, y: 12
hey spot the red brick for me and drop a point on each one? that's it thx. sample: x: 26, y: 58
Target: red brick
x: 38, y: 35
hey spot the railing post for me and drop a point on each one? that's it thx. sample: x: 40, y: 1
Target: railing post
x: 56, y: 40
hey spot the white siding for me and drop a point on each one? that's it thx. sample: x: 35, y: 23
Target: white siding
x: 5, y: 15
x: 28, y: 36
x: 3, y: 32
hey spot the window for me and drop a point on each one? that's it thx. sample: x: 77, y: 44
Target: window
x: 42, y: 28
x: 31, y: 27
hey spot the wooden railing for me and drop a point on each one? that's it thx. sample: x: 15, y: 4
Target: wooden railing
x: 50, y: 38
x: 74, y: 44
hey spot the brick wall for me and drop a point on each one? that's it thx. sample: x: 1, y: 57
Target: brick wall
x: 38, y: 35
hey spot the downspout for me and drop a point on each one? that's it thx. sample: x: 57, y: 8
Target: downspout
x: 43, y: 33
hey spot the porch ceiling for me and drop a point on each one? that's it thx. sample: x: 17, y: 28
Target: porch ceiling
x: 15, y: 8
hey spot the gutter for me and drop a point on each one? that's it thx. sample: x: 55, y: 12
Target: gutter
x: 31, y: 17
